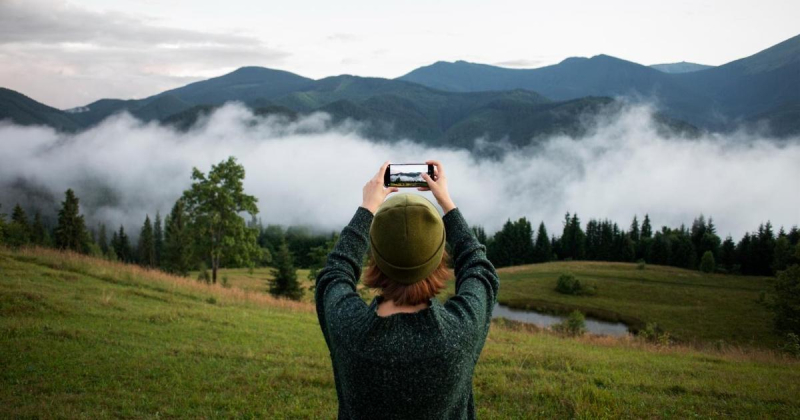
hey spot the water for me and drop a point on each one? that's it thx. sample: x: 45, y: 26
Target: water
x: 593, y: 326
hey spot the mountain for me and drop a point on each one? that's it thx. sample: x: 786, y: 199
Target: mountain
x: 23, y: 110
x: 716, y: 98
x: 682, y: 67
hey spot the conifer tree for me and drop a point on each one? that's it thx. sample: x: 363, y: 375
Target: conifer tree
x: 146, y: 249
x: 158, y: 239
x: 177, y: 254
x: 284, y: 282
x: 727, y: 255
x: 782, y: 255
x: 18, y: 231
x: 39, y: 234
x: 634, y: 233
x: 647, y: 230
x: 707, y: 264
x: 123, y: 248
x: 102, y: 238
x: 2, y: 226
x: 543, y: 249
x: 70, y: 232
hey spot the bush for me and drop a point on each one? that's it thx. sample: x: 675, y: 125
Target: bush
x: 655, y: 334
x: 792, y: 345
x: 225, y: 281
x: 204, y: 275
x: 212, y: 300
x: 574, y: 325
x: 640, y: 265
x: 567, y: 284
x: 787, y: 300
x: 707, y: 263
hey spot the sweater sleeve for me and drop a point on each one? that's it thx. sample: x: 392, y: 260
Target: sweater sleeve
x: 335, y: 294
x: 477, y: 281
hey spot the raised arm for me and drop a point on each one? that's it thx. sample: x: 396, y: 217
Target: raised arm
x: 335, y: 296
x: 477, y: 281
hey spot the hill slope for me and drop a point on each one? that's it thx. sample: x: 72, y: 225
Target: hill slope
x: 23, y: 110
x: 88, y: 338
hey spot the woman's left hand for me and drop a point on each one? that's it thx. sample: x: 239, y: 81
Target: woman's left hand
x: 374, y: 191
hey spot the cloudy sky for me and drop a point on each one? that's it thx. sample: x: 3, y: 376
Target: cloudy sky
x: 69, y: 53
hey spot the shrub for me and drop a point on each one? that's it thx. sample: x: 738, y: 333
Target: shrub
x: 655, y: 334
x: 787, y: 300
x: 567, y: 284
x: 792, y: 345
x: 204, y: 275
x: 640, y: 265
x: 574, y: 325
x: 212, y: 300
x: 707, y: 263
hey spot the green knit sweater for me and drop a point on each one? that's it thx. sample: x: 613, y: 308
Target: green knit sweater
x: 407, y: 365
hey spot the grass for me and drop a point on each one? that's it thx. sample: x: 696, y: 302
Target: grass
x: 690, y: 305
x: 87, y: 338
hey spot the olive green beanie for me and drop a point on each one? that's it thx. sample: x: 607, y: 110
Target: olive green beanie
x: 407, y: 238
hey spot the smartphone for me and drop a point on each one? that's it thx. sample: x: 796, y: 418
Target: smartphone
x: 406, y: 175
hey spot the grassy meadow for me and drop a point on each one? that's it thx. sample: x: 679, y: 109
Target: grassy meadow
x: 692, y: 306
x: 88, y: 338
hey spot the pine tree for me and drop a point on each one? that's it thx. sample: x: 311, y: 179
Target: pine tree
x: 39, y: 234
x: 284, y: 282
x: 543, y: 249
x: 123, y: 248
x: 146, y: 249
x: 319, y: 257
x: 634, y: 233
x: 102, y: 238
x: 727, y: 256
x: 782, y: 255
x: 177, y: 254
x: 18, y: 231
x: 70, y: 232
x: 158, y: 238
x: 2, y: 226
x: 647, y: 230
x: 480, y: 234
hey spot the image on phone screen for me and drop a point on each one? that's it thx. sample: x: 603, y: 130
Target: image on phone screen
x: 407, y: 175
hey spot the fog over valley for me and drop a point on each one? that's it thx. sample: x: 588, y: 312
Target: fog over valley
x: 310, y: 171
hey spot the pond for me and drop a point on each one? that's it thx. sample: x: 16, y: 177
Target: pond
x: 593, y: 326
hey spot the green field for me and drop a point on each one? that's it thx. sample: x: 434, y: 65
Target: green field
x: 91, y: 339
x: 690, y: 305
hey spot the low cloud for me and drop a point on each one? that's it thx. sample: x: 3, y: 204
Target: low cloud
x: 519, y: 63
x: 310, y: 171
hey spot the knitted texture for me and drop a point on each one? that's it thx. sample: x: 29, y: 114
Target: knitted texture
x: 407, y: 365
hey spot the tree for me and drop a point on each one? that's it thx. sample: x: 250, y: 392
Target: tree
x: 158, y: 239
x: 727, y: 255
x: 2, y: 226
x: 480, y: 234
x: 213, y: 204
x: 543, y: 250
x: 177, y: 256
x: 647, y: 230
x: 707, y: 264
x: 634, y: 234
x: 319, y: 257
x: 782, y: 254
x: 284, y: 282
x: 18, y: 232
x: 102, y: 238
x: 70, y: 232
x: 146, y: 249
x: 122, y: 245
x: 787, y: 300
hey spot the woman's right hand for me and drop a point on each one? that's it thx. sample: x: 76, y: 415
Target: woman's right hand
x: 438, y: 186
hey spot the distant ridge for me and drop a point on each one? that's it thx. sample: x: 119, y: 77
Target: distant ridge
x: 682, y: 67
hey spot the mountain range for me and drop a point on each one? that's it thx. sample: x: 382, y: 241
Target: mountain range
x: 453, y: 103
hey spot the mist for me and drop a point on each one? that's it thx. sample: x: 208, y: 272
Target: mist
x: 311, y: 171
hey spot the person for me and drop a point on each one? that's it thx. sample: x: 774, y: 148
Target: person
x: 406, y: 355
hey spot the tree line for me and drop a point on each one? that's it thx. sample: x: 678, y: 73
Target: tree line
x: 761, y: 252
x: 203, y: 230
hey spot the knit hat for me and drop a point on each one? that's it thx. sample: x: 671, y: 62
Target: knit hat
x: 407, y: 238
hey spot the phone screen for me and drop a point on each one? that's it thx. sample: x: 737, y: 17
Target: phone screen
x: 407, y: 175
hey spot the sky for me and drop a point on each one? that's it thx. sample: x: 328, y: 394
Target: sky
x: 70, y: 53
